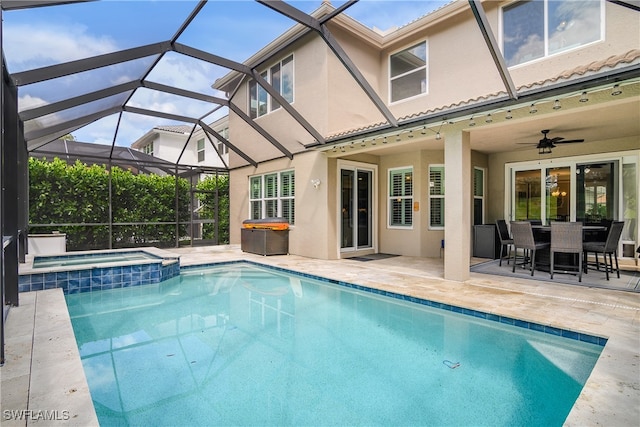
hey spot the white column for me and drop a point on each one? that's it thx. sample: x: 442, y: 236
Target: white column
x: 457, y: 202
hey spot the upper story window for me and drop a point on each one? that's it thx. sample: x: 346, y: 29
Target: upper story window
x: 222, y: 148
x: 148, y: 149
x: 408, y: 72
x: 200, y: 150
x: 280, y: 76
x: 535, y: 29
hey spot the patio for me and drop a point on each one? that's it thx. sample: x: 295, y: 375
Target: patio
x: 51, y: 379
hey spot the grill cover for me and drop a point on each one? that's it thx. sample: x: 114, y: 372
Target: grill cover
x: 273, y: 223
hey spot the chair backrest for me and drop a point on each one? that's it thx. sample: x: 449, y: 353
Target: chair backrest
x: 535, y: 221
x: 503, y: 231
x: 566, y: 237
x: 522, y: 234
x: 613, y: 238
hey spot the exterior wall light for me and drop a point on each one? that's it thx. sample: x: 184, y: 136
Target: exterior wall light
x: 315, y: 182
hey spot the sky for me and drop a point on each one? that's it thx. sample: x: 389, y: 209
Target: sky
x: 234, y: 29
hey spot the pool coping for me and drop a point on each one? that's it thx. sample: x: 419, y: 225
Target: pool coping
x: 162, y: 255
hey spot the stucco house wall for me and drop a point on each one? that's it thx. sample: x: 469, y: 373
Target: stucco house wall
x: 459, y: 74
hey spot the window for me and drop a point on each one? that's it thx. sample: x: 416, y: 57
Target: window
x: 436, y: 196
x: 200, y: 150
x: 148, y: 149
x: 478, y: 196
x: 401, y: 197
x: 408, y: 72
x: 272, y: 195
x: 535, y: 29
x: 280, y: 76
x: 222, y: 148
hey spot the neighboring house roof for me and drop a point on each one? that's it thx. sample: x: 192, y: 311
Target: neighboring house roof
x: 181, y: 129
x: 124, y: 157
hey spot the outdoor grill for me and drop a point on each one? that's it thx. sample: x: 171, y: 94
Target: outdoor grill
x: 266, y: 236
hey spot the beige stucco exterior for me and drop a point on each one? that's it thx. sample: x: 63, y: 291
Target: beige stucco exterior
x: 461, y: 74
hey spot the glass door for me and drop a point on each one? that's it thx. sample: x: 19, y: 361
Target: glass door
x: 527, y: 197
x: 596, y: 192
x: 558, y: 194
x: 356, y: 204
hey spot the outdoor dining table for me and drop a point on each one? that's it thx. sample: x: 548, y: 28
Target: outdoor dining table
x: 543, y: 233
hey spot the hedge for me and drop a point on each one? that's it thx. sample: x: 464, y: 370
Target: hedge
x: 79, y: 194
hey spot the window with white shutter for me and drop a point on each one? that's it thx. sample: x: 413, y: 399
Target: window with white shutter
x: 401, y: 197
x: 436, y: 196
x: 273, y: 195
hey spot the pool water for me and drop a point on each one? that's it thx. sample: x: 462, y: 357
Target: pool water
x: 91, y: 259
x: 243, y: 345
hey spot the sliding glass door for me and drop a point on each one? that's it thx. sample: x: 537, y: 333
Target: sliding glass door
x: 356, y: 204
x: 587, y: 192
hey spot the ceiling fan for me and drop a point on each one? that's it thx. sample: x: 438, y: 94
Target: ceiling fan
x: 546, y: 144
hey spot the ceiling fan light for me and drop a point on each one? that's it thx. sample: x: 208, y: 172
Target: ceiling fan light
x: 556, y: 105
x: 616, y: 90
x: 544, y: 150
x: 584, y: 97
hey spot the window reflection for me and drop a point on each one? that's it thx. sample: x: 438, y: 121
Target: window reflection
x: 558, y: 193
x: 527, y: 195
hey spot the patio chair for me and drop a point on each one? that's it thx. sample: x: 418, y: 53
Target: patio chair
x: 523, y: 239
x: 506, y: 242
x: 608, y: 247
x: 566, y: 237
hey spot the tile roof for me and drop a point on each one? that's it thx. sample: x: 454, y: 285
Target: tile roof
x: 175, y: 129
x: 614, y: 61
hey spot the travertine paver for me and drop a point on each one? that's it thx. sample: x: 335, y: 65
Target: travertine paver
x: 611, y: 396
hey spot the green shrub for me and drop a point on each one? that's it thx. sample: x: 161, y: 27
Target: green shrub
x: 79, y: 194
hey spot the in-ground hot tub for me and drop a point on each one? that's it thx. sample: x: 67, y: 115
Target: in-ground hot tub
x: 98, y: 270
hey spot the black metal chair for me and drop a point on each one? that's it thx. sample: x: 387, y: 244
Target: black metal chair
x: 523, y: 239
x: 608, y: 247
x: 506, y: 242
x: 566, y: 237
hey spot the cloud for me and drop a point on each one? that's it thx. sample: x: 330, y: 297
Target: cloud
x: 30, y: 46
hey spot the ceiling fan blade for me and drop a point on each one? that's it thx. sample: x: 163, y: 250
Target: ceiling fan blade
x: 569, y: 140
x: 556, y: 139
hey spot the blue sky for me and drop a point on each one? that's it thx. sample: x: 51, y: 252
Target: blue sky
x: 233, y: 29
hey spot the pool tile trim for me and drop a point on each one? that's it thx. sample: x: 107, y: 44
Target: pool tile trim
x: 565, y: 333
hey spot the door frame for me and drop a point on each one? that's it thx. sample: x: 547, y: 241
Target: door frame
x: 351, y: 165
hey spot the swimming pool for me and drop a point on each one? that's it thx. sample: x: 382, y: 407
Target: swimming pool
x: 241, y: 344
